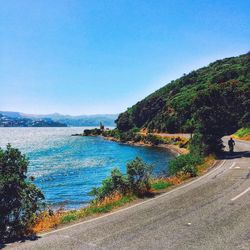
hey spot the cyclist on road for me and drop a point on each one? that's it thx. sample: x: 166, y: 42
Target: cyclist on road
x: 231, y: 144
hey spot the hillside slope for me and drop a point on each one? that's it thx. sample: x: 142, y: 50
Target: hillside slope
x: 223, y: 85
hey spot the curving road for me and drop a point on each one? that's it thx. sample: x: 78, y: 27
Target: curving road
x: 211, y: 212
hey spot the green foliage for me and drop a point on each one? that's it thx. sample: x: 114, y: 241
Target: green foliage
x: 113, y: 133
x: 215, y: 99
x: 185, y: 163
x: 153, y: 139
x: 221, y: 115
x: 101, y: 209
x: 242, y: 132
x: 87, y: 132
x: 135, y: 130
x: 190, y: 125
x: 138, y: 174
x: 20, y: 200
x: 124, y: 122
x: 94, y: 131
x: 196, y: 145
x: 119, y: 181
x: 126, y: 136
x: 133, y: 136
x: 116, y: 182
x: 135, y: 181
x: 137, y: 138
x: 68, y: 218
x: 122, y: 136
x: 190, y: 169
x: 160, y: 185
x: 74, y: 215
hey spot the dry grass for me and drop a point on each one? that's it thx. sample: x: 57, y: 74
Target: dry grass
x: 46, y: 221
x: 208, y: 162
x: 108, y: 200
x: 173, y: 180
x: 244, y: 138
x: 242, y: 134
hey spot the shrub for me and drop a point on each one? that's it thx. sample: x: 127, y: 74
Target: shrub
x: 137, y: 138
x: 138, y: 173
x: 119, y: 181
x: 136, y: 180
x: 135, y: 130
x: 186, y: 163
x: 196, y: 146
x: 94, y: 131
x: 87, y: 132
x: 20, y: 200
x: 113, y: 133
x: 116, y: 182
x: 190, y: 169
x: 154, y: 140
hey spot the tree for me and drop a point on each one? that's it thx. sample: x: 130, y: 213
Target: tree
x: 218, y: 112
x: 124, y: 122
x: 20, y: 199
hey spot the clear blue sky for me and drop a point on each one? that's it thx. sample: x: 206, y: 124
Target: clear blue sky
x: 88, y: 57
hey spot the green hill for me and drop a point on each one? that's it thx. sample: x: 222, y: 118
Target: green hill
x: 171, y: 108
x: 214, y: 100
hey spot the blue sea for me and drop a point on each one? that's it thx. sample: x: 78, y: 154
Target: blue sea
x: 66, y: 167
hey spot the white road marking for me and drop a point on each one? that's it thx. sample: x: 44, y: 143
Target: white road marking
x: 239, y: 195
x: 225, y: 170
x: 232, y: 165
x: 136, y: 205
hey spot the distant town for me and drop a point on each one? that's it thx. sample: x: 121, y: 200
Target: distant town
x: 6, y: 121
x: 18, y: 119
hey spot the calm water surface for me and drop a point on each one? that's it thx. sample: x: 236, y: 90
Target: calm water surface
x: 66, y: 168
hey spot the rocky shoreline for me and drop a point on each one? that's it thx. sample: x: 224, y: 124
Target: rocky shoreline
x: 173, y: 149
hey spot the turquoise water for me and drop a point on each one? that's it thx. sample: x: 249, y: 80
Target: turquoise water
x: 66, y: 168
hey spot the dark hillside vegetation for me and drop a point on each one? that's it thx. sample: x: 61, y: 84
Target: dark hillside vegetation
x: 214, y: 100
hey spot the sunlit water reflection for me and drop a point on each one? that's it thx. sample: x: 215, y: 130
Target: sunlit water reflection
x: 66, y: 168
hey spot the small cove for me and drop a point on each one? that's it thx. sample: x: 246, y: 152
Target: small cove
x: 66, y: 168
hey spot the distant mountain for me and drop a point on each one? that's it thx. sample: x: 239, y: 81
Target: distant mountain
x: 11, y: 114
x: 17, y: 121
x: 81, y: 120
x: 84, y: 120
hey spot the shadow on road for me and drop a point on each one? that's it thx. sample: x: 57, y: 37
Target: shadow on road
x: 23, y: 239
x: 234, y: 155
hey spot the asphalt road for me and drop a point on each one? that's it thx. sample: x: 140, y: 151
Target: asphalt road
x: 211, y: 212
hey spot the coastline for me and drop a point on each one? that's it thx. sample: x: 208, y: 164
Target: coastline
x: 59, y: 219
x: 171, y: 148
